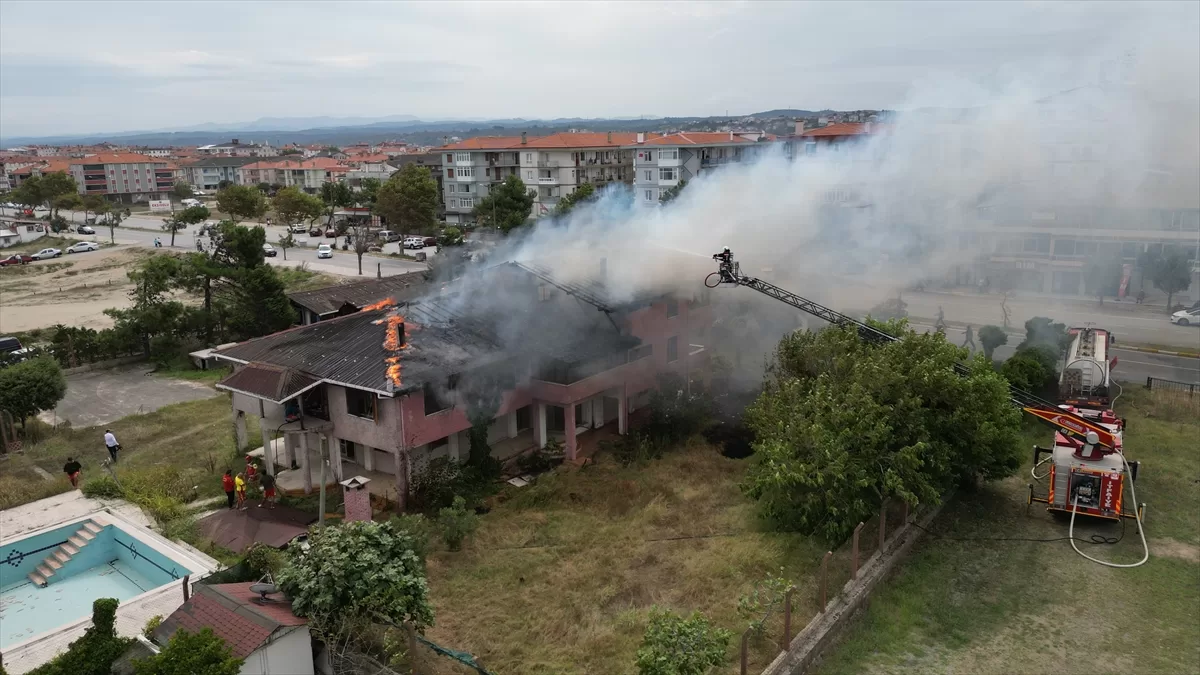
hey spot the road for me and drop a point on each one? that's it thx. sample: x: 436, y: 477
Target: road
x: 1132, y: 367
x: 142, y: 229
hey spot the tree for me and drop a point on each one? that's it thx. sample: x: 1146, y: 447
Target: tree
x: 285, y: 242
x: 30, y: 387
x: 153, y: 317
x: 91, y: 203
x: 675, y: 645
x: 57, y: 184
x: 1170, y: 274
x: 242, y: 202
x: 365, y: 571
x: 1102, y: 276
x: 672, y: 193
x: 264, y: 188
x: 201, y: 653
x: 507, y: 206
x: 70, y: 201
x: 991, y: 337
x: 30, y: 192
x: 457, y: 523
x: 451, y: 236
x: 408, y: 200
x: 224, y: 184
x: 583, y: 194
x: 335, y: 195
x: 95, y: 652
x: 291, y: 151
x: 844, y: 425
x: 1041, y: 331
x: 1025, y: 371
x: 192, y: 215
x: 113, y: 215
x: 361, y: 238
x: 291, y: 205
x: 181, y: 191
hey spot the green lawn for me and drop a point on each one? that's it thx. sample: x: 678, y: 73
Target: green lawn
x: 1037, y: 607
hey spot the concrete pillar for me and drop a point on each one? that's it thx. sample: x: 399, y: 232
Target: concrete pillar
x: 452, y: 446
x: 239, y: 430
x: 598, y: 411
x: 268, y: 449
x: 305, y: 464
x: 335, y: 457
x: 623, y: 410
x: 289, y: 450
x: 569, y: 430
x: 539, y: 424
x: 368, y: 457
x: 512, y: 424
x: 585, y: 414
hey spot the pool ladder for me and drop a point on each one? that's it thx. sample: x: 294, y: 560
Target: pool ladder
x: 63, y: 554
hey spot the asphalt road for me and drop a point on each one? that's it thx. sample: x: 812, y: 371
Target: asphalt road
x: 141, y: 230
x: 1132, y: 367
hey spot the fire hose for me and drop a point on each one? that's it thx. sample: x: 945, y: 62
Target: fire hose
x: 1137, y: 514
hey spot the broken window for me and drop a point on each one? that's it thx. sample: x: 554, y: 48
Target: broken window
x: 641, y: 352
x: 361, y: 403
x: 433, y: 402
x: 524, y: 417
x: 672, y: 349
x: 672, y: 308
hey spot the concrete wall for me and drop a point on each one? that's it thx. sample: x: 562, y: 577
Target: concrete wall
x: 286, y: 654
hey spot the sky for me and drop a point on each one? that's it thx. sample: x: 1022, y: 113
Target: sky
x: 93, y: 67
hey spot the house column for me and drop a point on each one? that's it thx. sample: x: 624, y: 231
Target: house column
x: 452, y: 446
x: 305, y: 464
x: 569, y: 429
x: 623, y: 410
x: 239, y: 430
x: 512, y: 424
x: 335, y: 457
x: 289, y: 450
x: 539, y: 424
x: 268, y: 446
x: 368, y: 456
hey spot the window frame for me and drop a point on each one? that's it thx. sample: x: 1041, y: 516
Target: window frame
x: 364, y: 396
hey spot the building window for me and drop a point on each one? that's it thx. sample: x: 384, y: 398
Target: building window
x: 649, y: 175
x: 524, y: 417
x: 545, y: 292
x: 672, y: 308
x: 672, y: 349
x: 668, y: 154
x: 641, y: 352
x: 467, y: 202
x: 449, y: 157
x: 453, y: 203
x: 529, y: 158
x: 452, y: 188
x: 465, y: 171
x: 433, y: 402
x: 361, y: 403
x: 649, y: 195
x: 649, y: 155
x: 668, y: 173
x: 462, y: 156
x: 529, y: 175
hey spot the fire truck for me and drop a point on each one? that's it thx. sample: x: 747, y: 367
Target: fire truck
x: 1085, y: 373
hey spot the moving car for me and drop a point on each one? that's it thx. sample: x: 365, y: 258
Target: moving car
x: 85, y: 229
x: 83, y: 247
x: 188, y: 203
x: 47, y: 253
x: 269, y: 251
x: 1186, y: 317
x: 16, y: 259
x: 414, y: 242
x: 298, y: 229
x: 388, y: 236
x: 324, y: 251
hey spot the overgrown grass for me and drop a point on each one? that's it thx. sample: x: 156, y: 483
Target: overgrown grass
x: 181, y: 368
x: 1023, y: 606
x: 303, y: 279
x: 560, y: 576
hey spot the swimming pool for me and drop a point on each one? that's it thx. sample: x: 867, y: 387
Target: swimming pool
x: 51, y: 578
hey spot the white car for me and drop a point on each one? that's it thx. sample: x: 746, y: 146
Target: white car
x: 1186, y: 317
x: 324, y: 251
x: 83, y: 247
x: 47, y: 253
x: 414, y: 242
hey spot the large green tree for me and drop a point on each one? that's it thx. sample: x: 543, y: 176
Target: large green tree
x: 671, y: 194
x: 201, y: 653
x: 335, y: 195
x: 408, y: 200
x: 154, y: 315
x: 1170, y: 273
x: 192, y: 215
x: 54, y: 185
x: 507, y: 206
x: 843, y: 425
x: 241, y: 202
x: 583, y: 194
x: 360, y: 571
x: 180, y: 191
x: 95, y: 652
x: 291, y: 205
x: 30, y: 387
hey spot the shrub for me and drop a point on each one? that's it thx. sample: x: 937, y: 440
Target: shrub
x: 991, y: 337
x: 1025, y: 371
x: 152, y: 625
x: 457, y: 523
x: 434, y: 488
x: 674, y: 645
x: 418, y: 527
x: 541, y: 460
x: 765, y: 599
x: 95, y: 652
x: 202, y: 653
x: 263, y: 559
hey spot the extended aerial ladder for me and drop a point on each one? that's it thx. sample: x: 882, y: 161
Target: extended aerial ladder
x: 1087, y: 454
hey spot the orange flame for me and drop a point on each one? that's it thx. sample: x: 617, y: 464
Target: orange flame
x: 393, y: 370
x: 382, y: 304
x: 391, y: 343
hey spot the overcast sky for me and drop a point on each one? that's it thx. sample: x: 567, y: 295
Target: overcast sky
x: 79, y: 67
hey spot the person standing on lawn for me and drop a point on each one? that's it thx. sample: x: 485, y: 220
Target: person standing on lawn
x: 72, y: 469
x: 268, y: 485
x: 228, y: 485
x: 111, y: 443
x: 240, y: 484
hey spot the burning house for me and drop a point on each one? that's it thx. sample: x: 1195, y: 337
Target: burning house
x: 542, y: 352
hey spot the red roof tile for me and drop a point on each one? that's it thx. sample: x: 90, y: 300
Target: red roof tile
x: 280, y: 612
x: 697, y: 138
x: 588, y: 139
x: 844, y: 129
x: 233, y: 613
x: 483, y: 143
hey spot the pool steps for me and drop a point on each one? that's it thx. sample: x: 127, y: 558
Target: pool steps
x: 63, y: 554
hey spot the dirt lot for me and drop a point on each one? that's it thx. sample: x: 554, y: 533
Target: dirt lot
x: 73, y: 290
x: 104, y: 396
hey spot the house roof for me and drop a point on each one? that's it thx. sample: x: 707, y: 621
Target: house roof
x: 483, y: 143
x: 584, y: 140
x: 267, y: 381
x: 285, y: 164
x: 843, y: 129
x: 117, y: 158
x: 699, y: 138
x: 221, y: 161
x: 233, y: 613
x: 327, y: 301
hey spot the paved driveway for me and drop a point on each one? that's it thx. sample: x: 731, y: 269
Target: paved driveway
x: 102, y: 396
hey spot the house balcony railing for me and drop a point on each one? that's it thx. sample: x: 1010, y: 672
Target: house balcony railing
x: 547, y: 180
x: 548, y: 164
x: 709, y: 161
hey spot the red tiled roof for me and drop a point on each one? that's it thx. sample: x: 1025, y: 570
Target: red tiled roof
x: 697, y: 138
x: 233, y: 613
x: 314, y: 163
x: 483, y: 143
x: 117, y: 158
x: 843, y: 129
x: 584, y: 140
x: 280, y: 611
x: 367, y: 157
x: 55, y: 164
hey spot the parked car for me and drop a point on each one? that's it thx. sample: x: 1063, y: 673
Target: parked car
x: 414, y: 242
x: 1186, y: 317
x: 16, y: 259
x: 269, y: 251
x: 11, y: 350
x: 85, y: 229
x: 430, y: 241
x: 388, y: 236
x: 324, y: 251
x: 47, y: 253
x: 188, y: 203
x: 331, y: 233
x: 83, y: 247
x: 315, y: 231
x: 207, y: 229
x: 298, y: 229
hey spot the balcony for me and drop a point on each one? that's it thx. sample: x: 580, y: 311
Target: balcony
x: 547, y: 180
x: 714, y: 161
x: 548, y: 165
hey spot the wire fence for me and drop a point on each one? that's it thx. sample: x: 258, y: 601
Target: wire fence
x: 1172, y: 386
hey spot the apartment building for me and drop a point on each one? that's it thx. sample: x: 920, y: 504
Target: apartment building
x: 470, y: 168
x: 235, y: 148
x: 207, y: 173
x: 307, y: 174
x: 123, y: 176
x: 661, y: 163
x: 367, y: 165
x: 556, y: 165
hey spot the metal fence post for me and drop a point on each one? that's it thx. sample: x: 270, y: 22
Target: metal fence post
x: 882, y: 525
x: 825, y: 579
x: 854, y: 552
x: 787, y: 620
x: 1149, y: 382
x: 745, y: 651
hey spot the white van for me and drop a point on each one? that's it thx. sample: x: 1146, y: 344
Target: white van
x: 388, y: 236
x: 188, y: 203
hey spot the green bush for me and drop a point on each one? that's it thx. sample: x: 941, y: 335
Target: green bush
x: 152, y: 625
x: 1024, y: 370
x: 457, y: 523
x: 201, y: 653
x: 991, y: 337
x: 103, y: 487
x: 95, y: 652
x: 675, y: 645
x: 418, y: 527
x: 434, y: 488
x: 264, y: 559
x: 541, y: 460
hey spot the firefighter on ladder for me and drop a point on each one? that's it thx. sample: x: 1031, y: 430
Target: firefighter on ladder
x: 725, y: 268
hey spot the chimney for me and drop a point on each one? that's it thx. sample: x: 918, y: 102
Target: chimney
x: 523, y: 139
x: 731, y: 134
x: 641, y: 137
x: 610, y: 138
x: 357, y: 498
x: 799, y: 126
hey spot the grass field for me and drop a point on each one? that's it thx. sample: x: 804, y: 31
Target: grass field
x: 1037, y: 607
x: 560, y: 577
